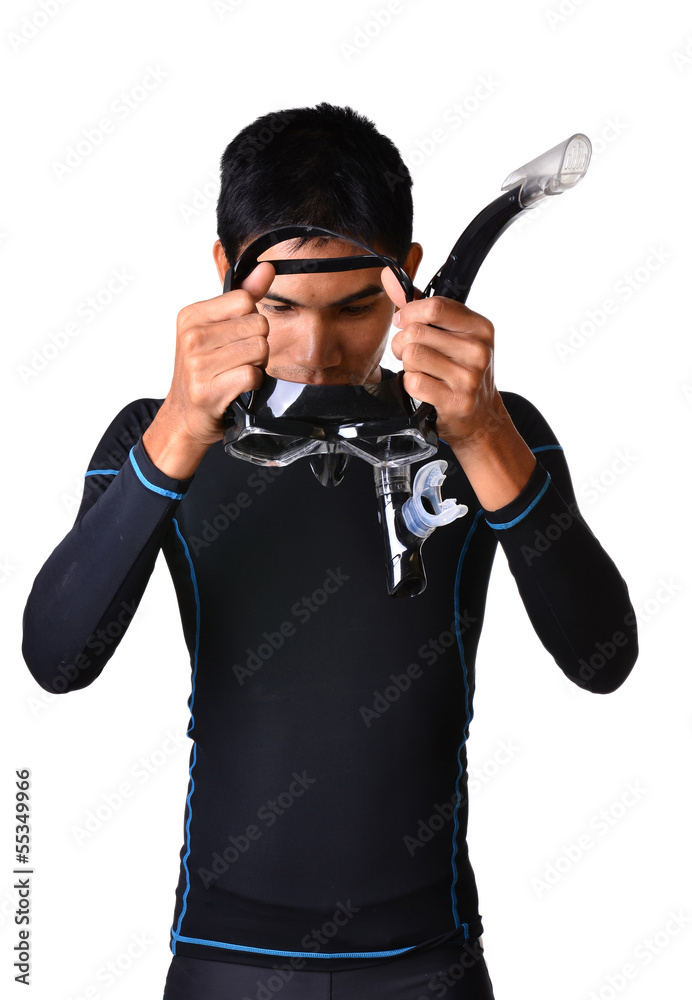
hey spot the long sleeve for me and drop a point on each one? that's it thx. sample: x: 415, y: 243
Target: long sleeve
x: 87, y: 592
x: 575, y: 597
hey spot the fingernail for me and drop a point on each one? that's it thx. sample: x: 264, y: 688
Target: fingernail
x: 395, y: 319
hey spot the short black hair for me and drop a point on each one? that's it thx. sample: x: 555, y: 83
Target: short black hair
x: 325, y: 166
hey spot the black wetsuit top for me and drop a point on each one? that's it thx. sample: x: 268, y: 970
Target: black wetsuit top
x: 326, y: 812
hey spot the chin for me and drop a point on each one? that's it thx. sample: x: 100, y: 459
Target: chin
x: 316, y: 378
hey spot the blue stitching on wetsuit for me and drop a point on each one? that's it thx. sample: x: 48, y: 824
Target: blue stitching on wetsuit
x: 190, y: 703
x: 150, y: 486
x: 102, y: 472
x: 520, y: 517
x: 508, y: 524
x: 469, y: 717
x: 295, y: 954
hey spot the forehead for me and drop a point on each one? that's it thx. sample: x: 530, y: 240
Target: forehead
x: 321, y: 286
x: 319, y: 247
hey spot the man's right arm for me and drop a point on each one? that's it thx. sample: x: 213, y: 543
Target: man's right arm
x: 87, y: 591
x: 89, y: 588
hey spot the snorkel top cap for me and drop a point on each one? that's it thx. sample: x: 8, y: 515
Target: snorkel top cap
x: 553, y: 172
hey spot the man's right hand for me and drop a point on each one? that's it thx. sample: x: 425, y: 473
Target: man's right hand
x: 221, y: 351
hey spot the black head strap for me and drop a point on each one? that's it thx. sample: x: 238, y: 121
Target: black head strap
x: 296, y: 265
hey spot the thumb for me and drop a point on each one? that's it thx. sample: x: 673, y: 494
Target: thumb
x: 392, y: 287
x: 258, y: 281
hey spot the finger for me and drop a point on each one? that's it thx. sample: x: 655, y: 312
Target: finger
x: 259, y: 280
x: 421, y: 359
x: 209, y: 337
x: 251, y: 350
x: 417, y: 344
x: 210, y: 375
x: 393, y: 288
x: 228, y: 385
x: 446, y: 314
x: 214, y: 394
x: 427, y: 388
x: 239, y: 301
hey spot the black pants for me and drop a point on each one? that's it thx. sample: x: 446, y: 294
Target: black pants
x: 452, y: 971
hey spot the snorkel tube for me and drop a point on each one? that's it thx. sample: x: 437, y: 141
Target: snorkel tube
x: 553, y: 172
x: 406, y: 520
x: 380, y: 423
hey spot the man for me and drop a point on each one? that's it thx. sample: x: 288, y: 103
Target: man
x: 324, y: 834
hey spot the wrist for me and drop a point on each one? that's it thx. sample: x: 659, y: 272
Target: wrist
x: 171, y: 449
x: 497, y: 461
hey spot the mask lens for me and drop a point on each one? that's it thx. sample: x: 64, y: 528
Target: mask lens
x: 406, y: 446
x: 266, y: 448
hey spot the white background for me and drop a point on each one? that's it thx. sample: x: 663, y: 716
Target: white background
x: 526, y: 76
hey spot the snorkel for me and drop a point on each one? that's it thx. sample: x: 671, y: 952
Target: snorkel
x: 380, y: 423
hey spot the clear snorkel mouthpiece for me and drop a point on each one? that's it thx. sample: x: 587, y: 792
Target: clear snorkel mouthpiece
x: 553, y: 172
x: 425, y: 509
x: 407, y: 519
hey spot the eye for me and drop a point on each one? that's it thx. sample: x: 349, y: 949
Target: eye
x: 356, y: 310
x: 348, y: 310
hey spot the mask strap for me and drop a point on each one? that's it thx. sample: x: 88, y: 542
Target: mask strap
x: 248, y: 259
x: 300, y: 265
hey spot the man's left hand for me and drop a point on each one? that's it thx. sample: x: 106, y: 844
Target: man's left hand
x: 447, y: 353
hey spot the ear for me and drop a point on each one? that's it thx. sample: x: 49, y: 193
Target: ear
x: 413, y: 259
x: 222, y: 264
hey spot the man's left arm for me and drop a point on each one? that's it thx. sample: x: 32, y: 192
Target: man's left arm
x: 576, y: 599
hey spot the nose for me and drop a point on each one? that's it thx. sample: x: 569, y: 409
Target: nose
x: 316, y: 346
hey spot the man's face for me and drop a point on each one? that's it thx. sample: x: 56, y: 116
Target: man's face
x: 327, y: 328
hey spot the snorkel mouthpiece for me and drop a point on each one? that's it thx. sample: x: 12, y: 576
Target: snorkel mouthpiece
x: 425, y: 509
x: 408, y: 519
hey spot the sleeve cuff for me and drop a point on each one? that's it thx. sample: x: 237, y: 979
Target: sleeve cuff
x: 152, y: 477
x: 517, y: 509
